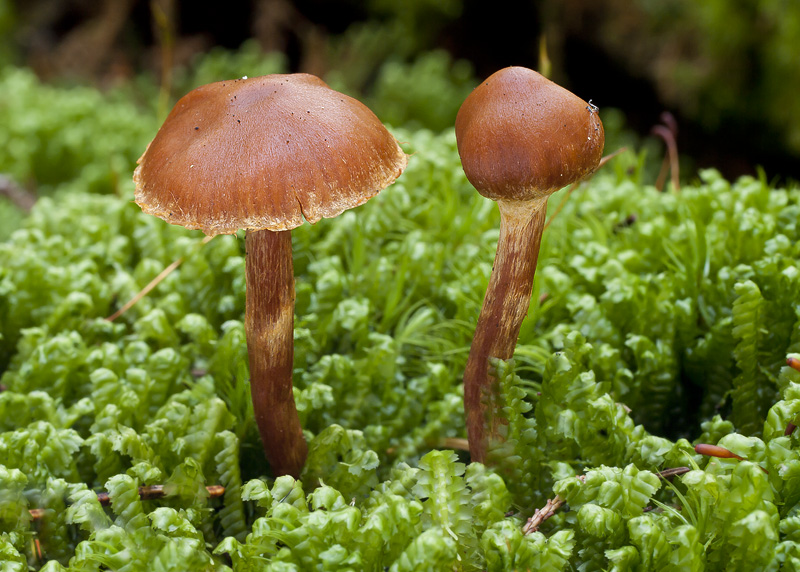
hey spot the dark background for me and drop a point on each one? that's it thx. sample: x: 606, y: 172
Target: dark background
x: 729, y: 72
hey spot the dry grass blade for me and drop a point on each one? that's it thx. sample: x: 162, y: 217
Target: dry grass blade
x: 548, y: 510
x: 153, y: 283
x: 552, y: 505
x: 574, y: 186
x: 716, y: 451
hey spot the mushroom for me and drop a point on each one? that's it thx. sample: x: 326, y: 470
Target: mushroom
x: 262, y: 154
x: 521, y: 137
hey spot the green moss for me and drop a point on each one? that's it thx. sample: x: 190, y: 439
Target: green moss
x: 657, y: 319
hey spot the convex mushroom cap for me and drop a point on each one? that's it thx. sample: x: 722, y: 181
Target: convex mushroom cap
x: 264, y: 153
x: 521, y: 136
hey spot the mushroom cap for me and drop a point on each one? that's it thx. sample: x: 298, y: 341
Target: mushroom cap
x: 521, y: 136
x: 263, y: 153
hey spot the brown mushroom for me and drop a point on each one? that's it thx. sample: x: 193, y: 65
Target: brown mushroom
x: 521, y: 137
x: 263, y: 154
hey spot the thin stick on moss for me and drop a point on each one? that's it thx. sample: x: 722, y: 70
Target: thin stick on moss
x: 552, y: 505
x: 548, y: 510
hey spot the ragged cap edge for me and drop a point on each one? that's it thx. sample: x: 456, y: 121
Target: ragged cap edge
x: 213, y: 226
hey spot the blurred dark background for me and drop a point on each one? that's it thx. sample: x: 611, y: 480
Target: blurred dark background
x: 729, y: 72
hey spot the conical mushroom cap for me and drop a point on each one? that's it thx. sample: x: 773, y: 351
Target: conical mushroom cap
x: 521, y: 136
x: 263, y: 153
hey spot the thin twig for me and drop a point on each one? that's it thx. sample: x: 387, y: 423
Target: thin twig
x: 153, y: 283
x: 542, y: 514
x: 549, y: 509
x: 145, y: 493
x: 552, y: 505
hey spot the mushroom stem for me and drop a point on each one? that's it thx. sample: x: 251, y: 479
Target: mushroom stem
x: 269, y: 324
x: 504, y: 307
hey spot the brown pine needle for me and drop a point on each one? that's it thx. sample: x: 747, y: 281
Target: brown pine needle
x: 574, y: 186
x: 716, y: 451
x: 153, y: 283
x: 721, y: 453
x: 145, y: 493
